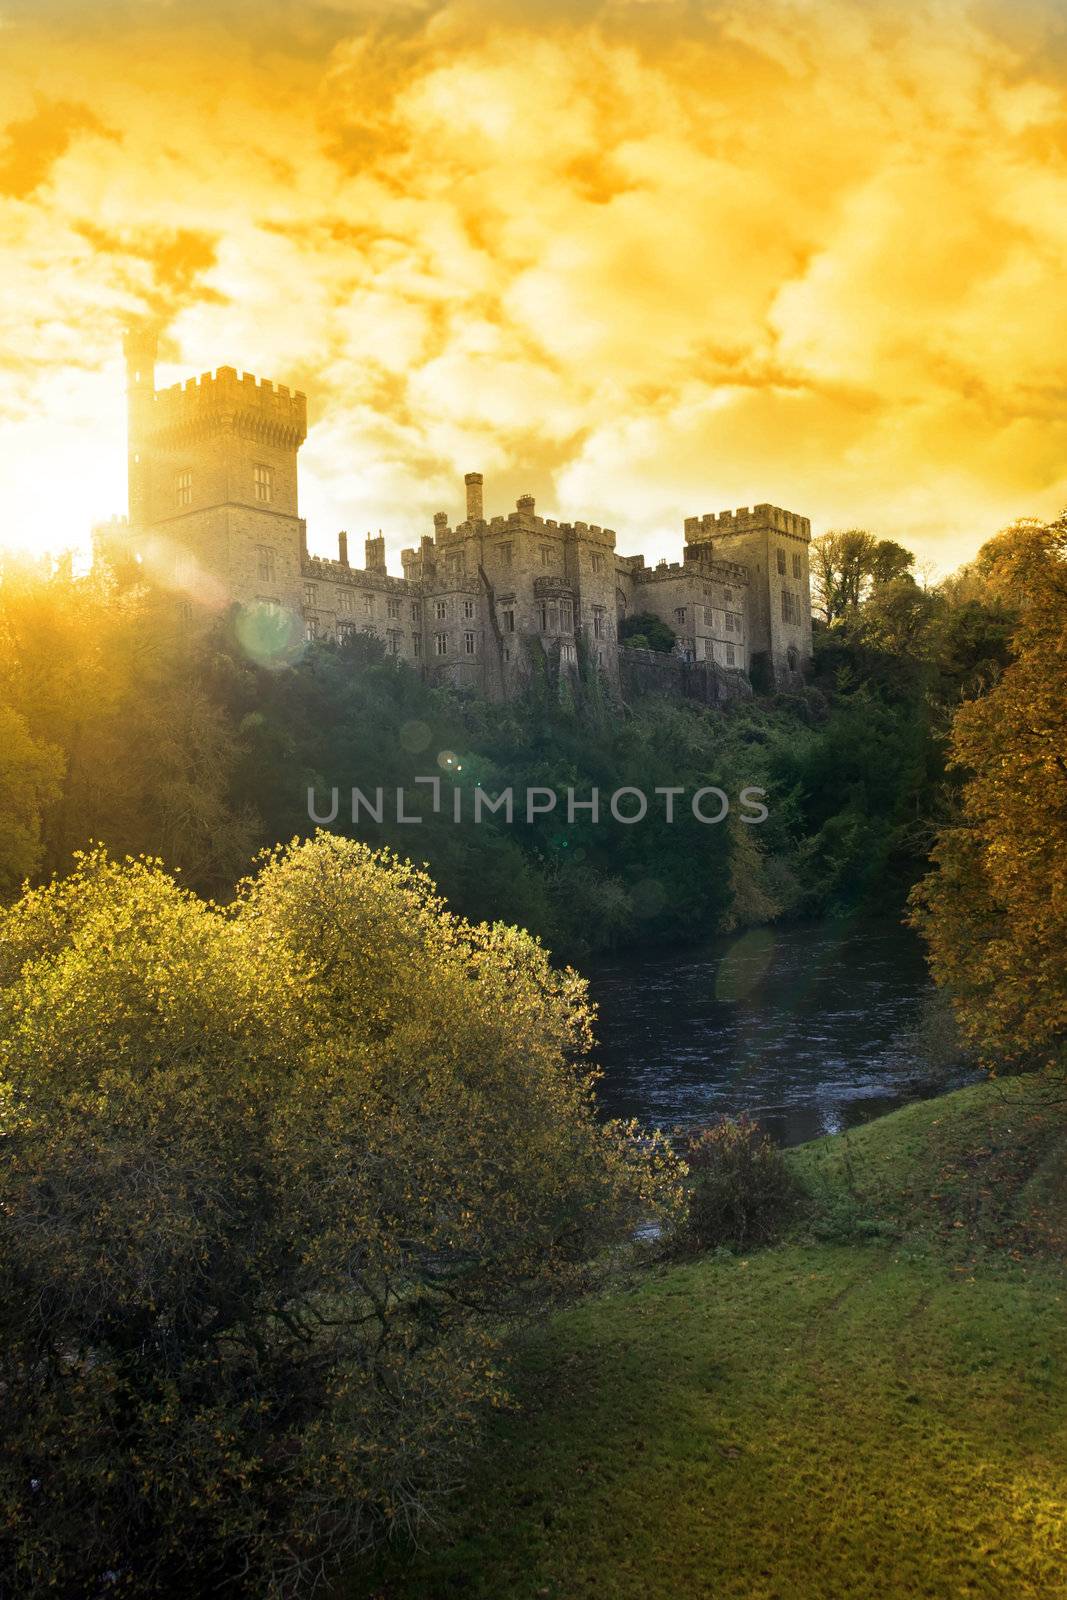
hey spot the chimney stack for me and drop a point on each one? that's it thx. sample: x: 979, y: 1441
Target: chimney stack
x: 342, y: 549
x: 525, y: 502
x: 374, y: 554
x: 473, y: 480
x: 440, y: 523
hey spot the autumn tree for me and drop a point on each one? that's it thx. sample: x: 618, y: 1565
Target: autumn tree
x: 994, y: 909
x: 272, y: 1181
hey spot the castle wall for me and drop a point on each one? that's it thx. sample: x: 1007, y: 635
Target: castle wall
x: 214, y: 514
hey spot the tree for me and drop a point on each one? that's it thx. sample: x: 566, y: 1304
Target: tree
x: 846, y: 565
x: 994, y: 910
x: 30, y: 774
x: 647, y: 632
x: 272, y: 1180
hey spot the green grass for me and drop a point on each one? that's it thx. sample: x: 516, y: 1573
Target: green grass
x: 875, y: 1408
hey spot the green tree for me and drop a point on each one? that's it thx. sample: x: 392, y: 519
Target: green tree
x: 273, y: 1179
x: 647, y: 632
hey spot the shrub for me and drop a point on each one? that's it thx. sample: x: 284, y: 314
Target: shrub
x: 741, y: 1189
x: 271, y: 1178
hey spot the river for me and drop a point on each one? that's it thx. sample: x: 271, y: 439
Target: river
x: 805, y: 1027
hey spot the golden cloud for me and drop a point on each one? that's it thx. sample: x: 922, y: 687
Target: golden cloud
x: 644, y: 260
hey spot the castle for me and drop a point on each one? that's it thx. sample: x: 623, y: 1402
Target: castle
x: 213, y: 515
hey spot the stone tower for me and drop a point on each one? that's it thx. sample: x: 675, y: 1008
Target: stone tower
x: 213, y: 483
x: 773, y: 545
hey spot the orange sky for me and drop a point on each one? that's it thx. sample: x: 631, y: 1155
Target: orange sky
x: 643, y: 259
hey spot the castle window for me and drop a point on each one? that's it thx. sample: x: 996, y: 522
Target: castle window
x: 789, y: 606
x: 597, y: 561
x: 729, y: 621
x: 781, y: 561
x: 310, y: 595
x: 738, y: 622
x: 468, y: 609
x: 368, y: 605
x: 504, y: 553
x: 414, y: 611
x: 679, y: 613
x: 265, y: 564
x: 568, y: 653
x: 509, y: 619
x: 728, y: 596
x: 455, y: 564
x: 440, y: 644
x: 468, y: 644
x: 440, y: 609
x: 395, y: 637
x: 566, y: 616
x: 392, y: 608
x: 730, y: 655
x: 542, y: 612
x: 546, y: 555
x: 312, y: 628
x: 263, y: 483
x: 344, y: 601
x: 183, y: 488
x: 416, y: 644
x: 798, y: 567
x: 598, y: 622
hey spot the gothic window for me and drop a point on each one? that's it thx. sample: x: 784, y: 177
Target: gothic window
x: 414, y: 611
x: 679, y: 613
x: 542, y: 611
x: 730, y: 655
x: 728, y: 596
x: 468, y: 643
x: 344, y: 601
x: 265, y: 564
x: 183, y: 488
x: 440, y: 644
x: 598, y: 622
x: 504, y: 553
x: 597, y: 561
x: 416, y: 644
x: 368, y: 605
x: 312, y: 628
x: 395, y: 637
x: 781, y: 561
x: 263, y: 483
x: 798, y: 567
x: 468, y: 609
x: 440, y: 610
x: 392, y: 608
x: 729, y: 621
x: 568, y: 653
x: 310, y: 594
x: 546, y: 555
x: 509, y: 619
x: 566, y: 616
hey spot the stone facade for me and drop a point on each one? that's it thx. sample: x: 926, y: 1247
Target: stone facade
x: 213, y: 514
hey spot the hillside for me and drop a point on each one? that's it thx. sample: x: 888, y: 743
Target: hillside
x: 876, y: 1408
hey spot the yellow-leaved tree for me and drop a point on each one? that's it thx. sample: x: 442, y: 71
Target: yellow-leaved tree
x: 993, y: 911
x: 274, y: 1178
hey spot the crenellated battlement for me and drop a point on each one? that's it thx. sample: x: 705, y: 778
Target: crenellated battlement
x: 222, y: 398
x: 759, y: 519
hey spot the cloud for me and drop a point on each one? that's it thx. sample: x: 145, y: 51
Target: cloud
x: 643, y: 260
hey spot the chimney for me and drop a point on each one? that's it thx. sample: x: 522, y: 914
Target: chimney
x: 342, y: 548
x: 525, y: 502
x: 440, y: 523
x: 473, y: 480
x: 374, y: 554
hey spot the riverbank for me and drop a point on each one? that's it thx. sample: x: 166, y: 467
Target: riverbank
x: 876, y: 1408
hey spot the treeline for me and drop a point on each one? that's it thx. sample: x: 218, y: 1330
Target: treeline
x: 122, y: 729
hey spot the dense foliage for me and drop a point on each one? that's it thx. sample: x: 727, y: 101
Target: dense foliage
x: 272, y: 1179
x: 994, y: 909
x: 124, y: 730
x: 741, y: 1190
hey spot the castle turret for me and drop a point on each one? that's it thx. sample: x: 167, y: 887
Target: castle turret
x: 473, y: 481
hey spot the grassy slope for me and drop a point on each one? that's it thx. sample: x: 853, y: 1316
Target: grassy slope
x: 878, y: 1408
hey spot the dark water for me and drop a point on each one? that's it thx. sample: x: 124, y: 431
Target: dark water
x: 807, y: 1028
